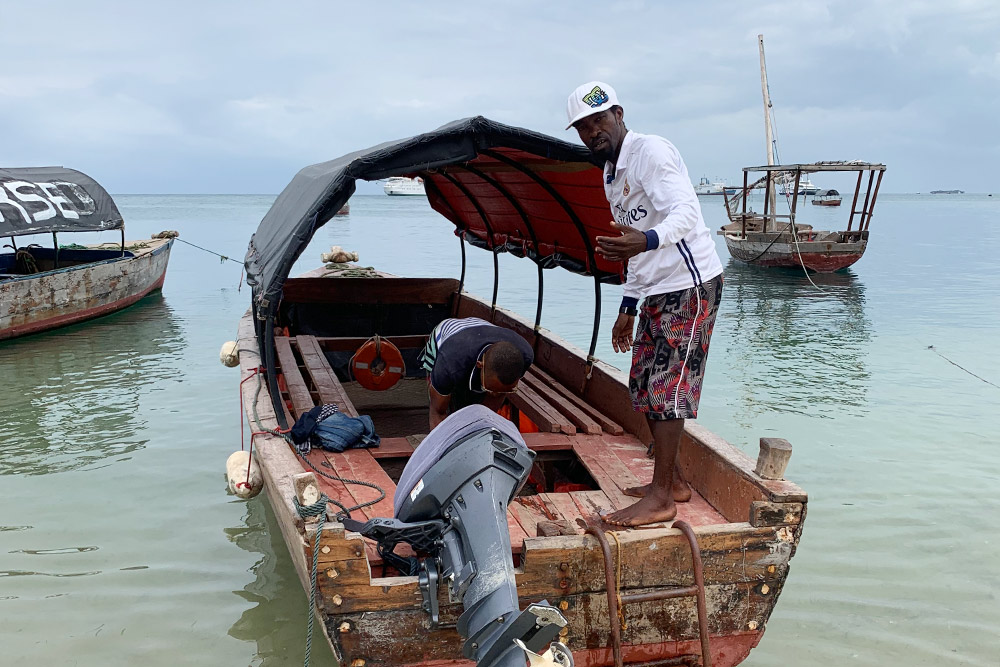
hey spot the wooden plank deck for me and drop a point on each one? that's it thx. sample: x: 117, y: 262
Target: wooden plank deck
x: 298, y: 392
x: 615, y: 460
x: 323, y: 378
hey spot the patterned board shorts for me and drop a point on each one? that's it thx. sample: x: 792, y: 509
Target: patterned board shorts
x: 671, y: 350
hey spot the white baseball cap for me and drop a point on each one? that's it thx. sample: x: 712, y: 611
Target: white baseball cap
x: 590, y: 98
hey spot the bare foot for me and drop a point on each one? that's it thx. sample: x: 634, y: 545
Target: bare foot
x: 652, y: 508
x: 681, y: 490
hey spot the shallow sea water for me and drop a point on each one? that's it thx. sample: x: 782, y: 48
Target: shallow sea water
x: 119, y: 545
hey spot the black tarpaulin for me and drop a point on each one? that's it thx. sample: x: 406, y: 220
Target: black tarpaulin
x: 36, y: 200
x: 504, y: 188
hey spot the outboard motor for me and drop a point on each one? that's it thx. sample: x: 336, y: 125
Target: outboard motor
x: 451, y: 502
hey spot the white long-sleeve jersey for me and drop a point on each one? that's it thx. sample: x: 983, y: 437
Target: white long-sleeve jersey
x: 649, y: 189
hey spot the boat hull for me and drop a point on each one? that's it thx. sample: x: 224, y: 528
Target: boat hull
x: 818, y: 256
x: 372, y: 620
x: 61, y: 297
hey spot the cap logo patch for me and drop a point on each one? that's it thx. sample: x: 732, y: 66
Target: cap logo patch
x: 625, y: 189
x: 596, y: 97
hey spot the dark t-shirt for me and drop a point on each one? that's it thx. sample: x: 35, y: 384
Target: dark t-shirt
x: 455, y: 369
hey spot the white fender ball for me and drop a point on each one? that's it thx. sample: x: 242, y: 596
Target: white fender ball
x: 229, y: 355
x: 243, y: 485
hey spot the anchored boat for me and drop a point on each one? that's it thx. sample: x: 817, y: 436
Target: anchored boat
x: 44, y: 288
x: 423, y: 572
x: 770, y: 239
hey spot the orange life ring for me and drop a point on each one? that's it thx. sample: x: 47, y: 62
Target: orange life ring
x: 378, y: 364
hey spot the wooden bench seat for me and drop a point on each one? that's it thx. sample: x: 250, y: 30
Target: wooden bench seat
x: 313, y: 382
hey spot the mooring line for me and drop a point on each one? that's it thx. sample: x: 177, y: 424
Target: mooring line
x: 932, y: 349
x: 222, y: 258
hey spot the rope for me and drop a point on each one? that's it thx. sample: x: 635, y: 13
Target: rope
x: 345, y: 511
x: 345, y: 270
x: 618, y: 582
x: 222, y: 258
x: 317, y: 509
x: 934, y: 350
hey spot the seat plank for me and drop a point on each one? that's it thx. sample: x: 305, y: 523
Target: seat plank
x: 606, y: 423
x: 327, y: 385
x: 391, y: 448
x: 580, y: 419
x: 538, y: 410
x: 297, y: 390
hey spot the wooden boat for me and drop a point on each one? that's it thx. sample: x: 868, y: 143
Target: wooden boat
x: 44, y: 288
x: 827, y: 198
x: 769, y: 239
x: 504, y: 189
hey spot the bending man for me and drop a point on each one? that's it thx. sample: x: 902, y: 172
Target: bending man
x: 673, y: 265
x: 471, y: 361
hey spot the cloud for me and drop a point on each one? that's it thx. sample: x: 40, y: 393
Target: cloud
x: 211, y: 97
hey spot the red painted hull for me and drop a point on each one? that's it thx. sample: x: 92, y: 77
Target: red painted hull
x: 61, y: 298
x: 814, y: 261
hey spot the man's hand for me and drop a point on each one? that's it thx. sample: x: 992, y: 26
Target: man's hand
x: 621, y: 248
x: 621, y: 333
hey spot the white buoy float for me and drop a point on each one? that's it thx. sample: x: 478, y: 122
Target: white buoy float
x: 241, y: 483
x: 229, y: 355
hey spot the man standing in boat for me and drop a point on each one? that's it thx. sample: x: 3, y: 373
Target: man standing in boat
x: 471, y: 361
x: 673, y: 265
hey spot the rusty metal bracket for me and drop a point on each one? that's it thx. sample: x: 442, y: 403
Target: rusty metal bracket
x: 697, y: 591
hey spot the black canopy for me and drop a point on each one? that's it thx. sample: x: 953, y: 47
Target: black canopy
x: 504, y: 188
x: 36, y: 200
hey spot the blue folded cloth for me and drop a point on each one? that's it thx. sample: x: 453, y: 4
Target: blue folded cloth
x: 339, y: 432
x: 325, y: 426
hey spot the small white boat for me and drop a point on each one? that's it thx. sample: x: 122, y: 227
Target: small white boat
x: 806, y: 186
x: 400, y: 185
x: 705, y: 187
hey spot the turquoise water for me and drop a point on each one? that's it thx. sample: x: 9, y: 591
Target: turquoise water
x: 119, y: 545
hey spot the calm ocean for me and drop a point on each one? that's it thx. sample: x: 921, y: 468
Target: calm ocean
x: 119, y: 545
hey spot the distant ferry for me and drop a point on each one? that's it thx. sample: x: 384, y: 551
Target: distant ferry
x: 704, y: 187
x: 947, y: 192
x: 400, y: 185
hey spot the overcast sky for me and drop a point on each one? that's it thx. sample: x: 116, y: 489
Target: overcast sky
x: 235, y: 97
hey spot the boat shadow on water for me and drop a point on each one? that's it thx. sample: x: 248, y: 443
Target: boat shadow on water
x: 814, y: 337
x: 71, y: 397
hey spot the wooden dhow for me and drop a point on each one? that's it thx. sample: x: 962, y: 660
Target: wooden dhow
x: 770, y: 239
x: 504, y: 189
x: 45, y: 288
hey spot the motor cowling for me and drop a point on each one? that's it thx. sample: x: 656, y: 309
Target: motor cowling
x: 451, y: 501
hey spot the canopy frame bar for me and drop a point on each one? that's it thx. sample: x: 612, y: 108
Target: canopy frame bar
x: 592, y: 263
x: 531, y: 232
